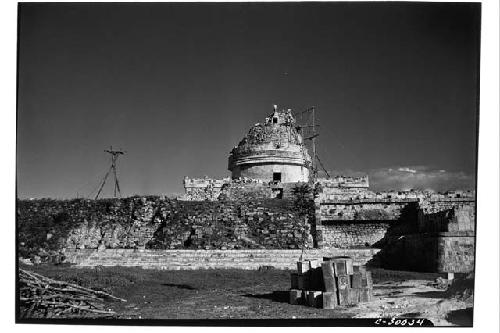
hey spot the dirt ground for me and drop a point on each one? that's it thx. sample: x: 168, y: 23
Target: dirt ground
x: 240, y: 294
x: 416, y: 298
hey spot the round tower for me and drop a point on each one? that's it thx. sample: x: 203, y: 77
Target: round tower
x: 273, y: 151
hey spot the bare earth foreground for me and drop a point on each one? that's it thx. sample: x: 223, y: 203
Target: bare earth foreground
x: 241, y: 294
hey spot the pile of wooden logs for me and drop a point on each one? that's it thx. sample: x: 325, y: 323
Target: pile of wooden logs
x: 40, y: 296
x: 334, y: 282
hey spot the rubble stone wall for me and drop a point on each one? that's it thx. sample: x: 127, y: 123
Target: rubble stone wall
x: 207, y: 259
x: 232, y: 225
x: 159, y: 223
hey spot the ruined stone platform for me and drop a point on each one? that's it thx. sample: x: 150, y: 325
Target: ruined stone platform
x: 206, y: 259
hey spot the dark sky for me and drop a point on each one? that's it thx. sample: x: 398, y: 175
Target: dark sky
x: 178, y: 85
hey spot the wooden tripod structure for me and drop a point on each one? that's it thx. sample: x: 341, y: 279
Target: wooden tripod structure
x: 114, y: 157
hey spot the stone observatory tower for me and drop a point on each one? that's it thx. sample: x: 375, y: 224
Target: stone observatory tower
x: 273, y: 151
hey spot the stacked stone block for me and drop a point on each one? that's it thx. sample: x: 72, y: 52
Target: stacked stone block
x: 334, y: 282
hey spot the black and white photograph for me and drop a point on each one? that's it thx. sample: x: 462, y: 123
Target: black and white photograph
x: 248, y: 163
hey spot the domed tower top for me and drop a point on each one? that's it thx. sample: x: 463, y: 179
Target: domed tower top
x: 273, y: 151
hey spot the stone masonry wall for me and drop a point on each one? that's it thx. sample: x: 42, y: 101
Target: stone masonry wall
x: 239, y: 190
x: 442, y: 242
x: 460, y: 218
x: 346, y: 234
x: 434, y: 252
x: 199, y: 189
x: 353, y: 217
x: 456, y: 252
x: 239, y: 222
x: 247, y: 189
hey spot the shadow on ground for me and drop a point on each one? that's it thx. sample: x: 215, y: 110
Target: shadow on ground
x: 411, y: 315
x: 431, y: 294
x: 275, y: 296
x: 180, y: 286
x: 393, y: 287
x: 461, y: 317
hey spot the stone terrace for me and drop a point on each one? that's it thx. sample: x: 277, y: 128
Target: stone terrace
x: 206, y: 259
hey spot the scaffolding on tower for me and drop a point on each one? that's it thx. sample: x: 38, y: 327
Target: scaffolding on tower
x: 309, y: 127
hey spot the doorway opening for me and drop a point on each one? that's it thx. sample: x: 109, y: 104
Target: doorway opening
x: 276, y: 176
